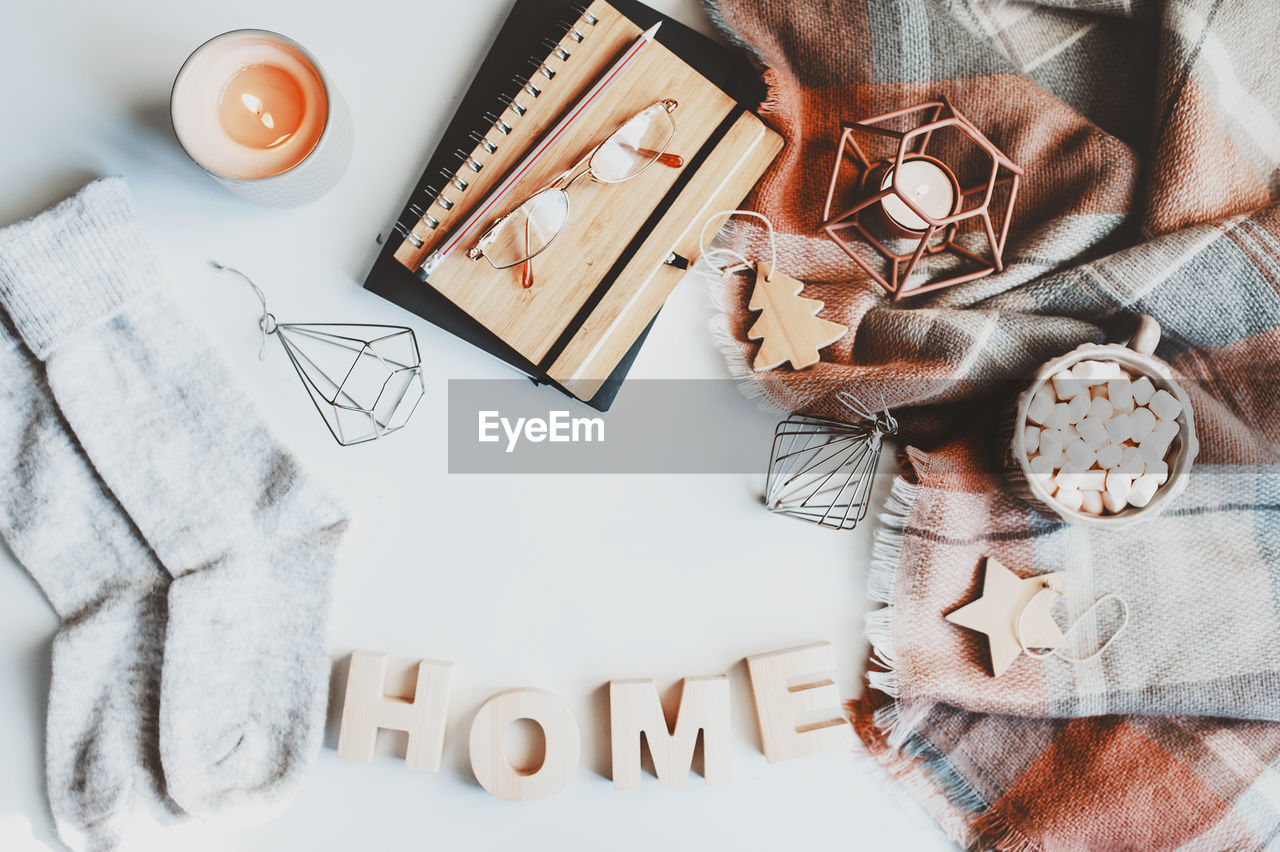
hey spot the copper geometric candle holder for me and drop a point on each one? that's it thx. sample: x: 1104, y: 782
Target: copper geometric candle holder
x: 912, y: 204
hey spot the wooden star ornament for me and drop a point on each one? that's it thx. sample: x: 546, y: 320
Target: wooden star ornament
x: 1006, y: 597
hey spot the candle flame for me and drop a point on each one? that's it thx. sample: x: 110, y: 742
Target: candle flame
x: 253, y: 103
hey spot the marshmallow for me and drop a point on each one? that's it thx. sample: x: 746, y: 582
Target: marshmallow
x: 1141, y: 422
x: 1120, y: 392
x: 1069, y: 477
x: 1031, y: 439
x: 1065, y: 385
x: 1165, y: 430
x: 1051, y: 447
x: 1040, y: 406
x: 1101, y: 408
x: 1093, y: 480
x: 1113, y: 503
x: 1059, y: 417
x: 1042, y: 472
x: 1109, y: 456
x: 1165, y: 405
x: 1143, y: 390
x: 1091, y: 502
x: 1088, y: 372
x: 1112, y: 370
x: 1144, y: 488
x: 1097, y: 391
x: 1158, y: 469
x: 1093, y: 431
x: 1157, y: 443
x: 1119, y: 484
x: 1041, y: 465
x: 1069, y: 498
x: 1119, y: 428
x: 1132, y: 462
x: 1080, y: 454
x: 1077, y: 408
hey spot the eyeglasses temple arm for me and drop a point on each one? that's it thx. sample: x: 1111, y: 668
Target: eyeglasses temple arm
x: 526, y: 279
x: 673, y: 160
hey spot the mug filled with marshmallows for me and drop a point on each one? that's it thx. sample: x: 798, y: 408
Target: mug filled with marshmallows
x: 1103, y: 436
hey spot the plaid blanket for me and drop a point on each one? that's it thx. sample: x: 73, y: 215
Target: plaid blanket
x: 1150, y: 136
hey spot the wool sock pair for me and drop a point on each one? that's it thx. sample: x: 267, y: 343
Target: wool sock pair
x: 189, y: 558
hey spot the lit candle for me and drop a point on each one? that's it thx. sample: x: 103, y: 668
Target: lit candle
x: 255, y: 111
x: 264, y: 106
x: 930, y: 186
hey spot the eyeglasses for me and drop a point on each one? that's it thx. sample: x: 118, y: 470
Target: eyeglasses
x: 525, y: 232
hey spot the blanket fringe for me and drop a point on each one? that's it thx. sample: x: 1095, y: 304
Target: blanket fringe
x: 995, y: 833
x: 747, y: 379
x: 886, y: 557
x: 899, y: 720
x: 910, y: 793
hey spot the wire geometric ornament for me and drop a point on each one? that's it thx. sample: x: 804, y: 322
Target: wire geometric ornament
x: 365, y: 380
x: 821, y: 469
x: 876, y: 150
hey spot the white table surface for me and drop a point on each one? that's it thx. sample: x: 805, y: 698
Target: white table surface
x: 657, y: 576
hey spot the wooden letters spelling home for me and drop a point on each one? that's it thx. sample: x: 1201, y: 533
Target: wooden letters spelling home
x: 797, y: 708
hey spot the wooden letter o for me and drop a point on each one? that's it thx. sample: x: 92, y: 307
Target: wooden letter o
x: 559, y: 727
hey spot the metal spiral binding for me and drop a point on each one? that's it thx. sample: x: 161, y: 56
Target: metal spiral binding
x: 497, y: 123
x: 540, y: 66
x: 576, y: 30
x: 556, y: 50
x: 483, y: 142
x: 586, y: 14
x: 527, y: 85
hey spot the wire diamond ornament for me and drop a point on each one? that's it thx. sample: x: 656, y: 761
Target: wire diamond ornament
x: 821, y: 469
x: 365, y: 380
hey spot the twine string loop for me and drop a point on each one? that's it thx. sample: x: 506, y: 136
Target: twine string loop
x: 267, y: 321
x: 1058, y: 652
x: 723, y: 253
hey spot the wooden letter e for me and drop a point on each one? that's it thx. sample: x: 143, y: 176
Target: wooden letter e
x: 797, y: 704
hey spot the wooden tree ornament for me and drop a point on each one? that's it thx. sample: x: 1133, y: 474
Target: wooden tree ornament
x: 788, y: 326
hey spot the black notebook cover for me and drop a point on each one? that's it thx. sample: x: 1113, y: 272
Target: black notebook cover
x: 525, y: 34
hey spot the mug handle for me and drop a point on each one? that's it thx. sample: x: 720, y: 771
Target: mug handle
x: 1146, y: 336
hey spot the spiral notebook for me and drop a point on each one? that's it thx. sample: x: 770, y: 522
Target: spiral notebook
x: 600, y: 284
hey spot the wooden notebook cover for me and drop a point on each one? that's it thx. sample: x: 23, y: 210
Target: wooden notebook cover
x: 600, y: 284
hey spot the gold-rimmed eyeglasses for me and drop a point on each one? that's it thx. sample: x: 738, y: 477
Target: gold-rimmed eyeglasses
x: 526, y: 231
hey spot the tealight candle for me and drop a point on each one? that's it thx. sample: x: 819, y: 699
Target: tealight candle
x: 254, y: 110
x: 930, y: 186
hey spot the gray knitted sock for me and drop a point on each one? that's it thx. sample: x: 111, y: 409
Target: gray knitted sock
x: 102, y: 757
x: 249, y: 539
